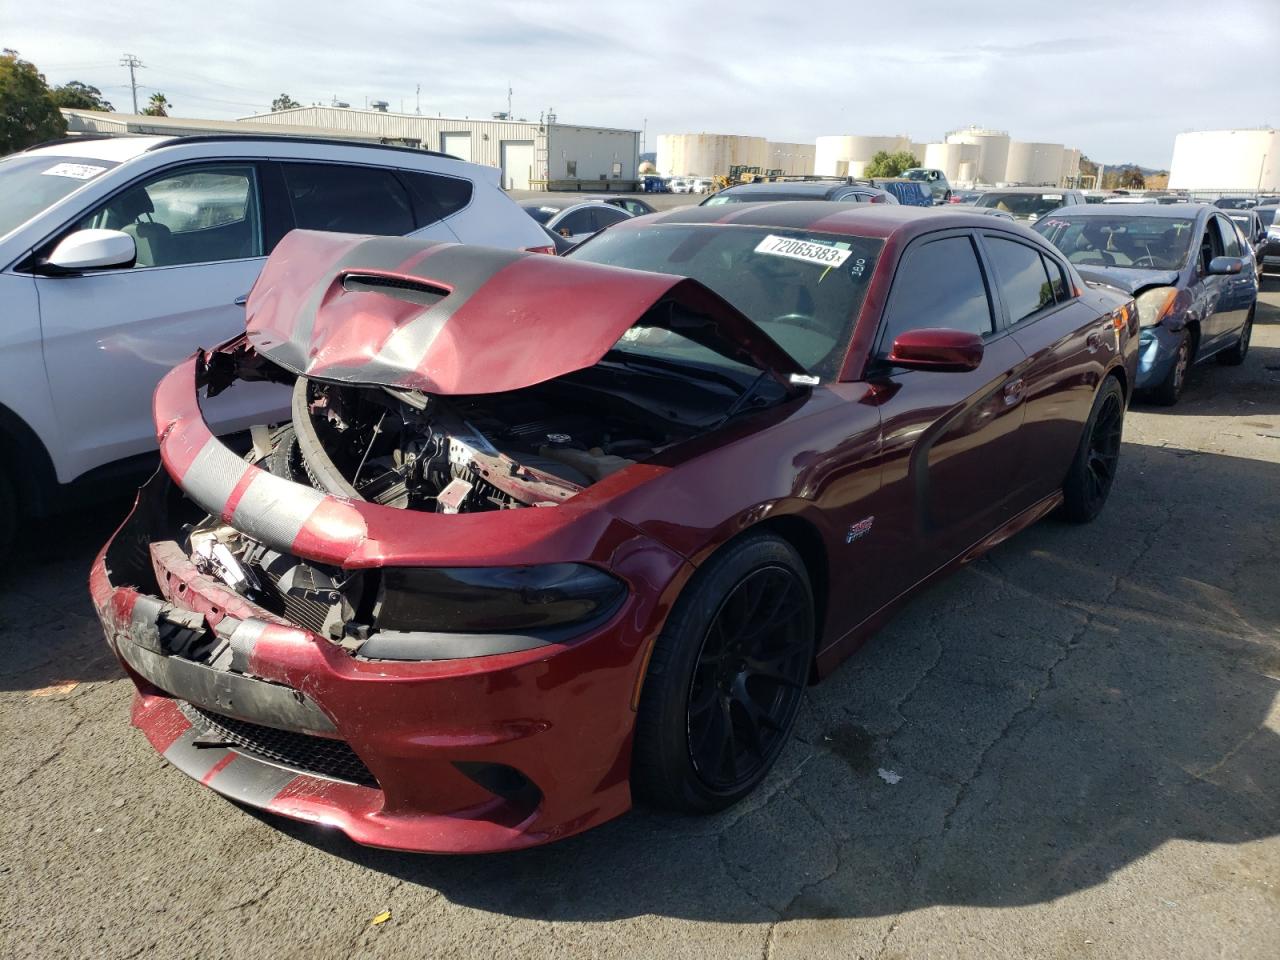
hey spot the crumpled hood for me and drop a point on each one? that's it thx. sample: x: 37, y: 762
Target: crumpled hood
x: 446, y: 318
x: 1130, y: 281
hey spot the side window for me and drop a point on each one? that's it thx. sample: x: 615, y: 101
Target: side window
x: 577, y: 222
x: 194, y: 215
x: 1230, y: 239
x: 1062, y: 288
x: 1024, y: 285
x: 347, y: 199
x: 435, y: 196
x: 939, y: 285
x: 606, y: 216
x: 1210, y: 245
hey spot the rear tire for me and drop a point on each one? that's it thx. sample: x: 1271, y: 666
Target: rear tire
x: 1169, y: 389
x: 1235, y: 356
x: 1093, y: 469
x: 726, y: 678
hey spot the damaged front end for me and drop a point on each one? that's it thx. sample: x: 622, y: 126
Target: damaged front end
x: 373, y: 616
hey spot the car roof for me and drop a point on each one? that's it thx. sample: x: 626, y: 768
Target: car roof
x: 799, y: 188
x: 881, y: 220
x: 1030, y: 190
x: 1172, y: 211
x: 116, y: 149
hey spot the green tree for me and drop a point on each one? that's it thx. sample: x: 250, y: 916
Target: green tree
x: 158, y: 106
x: 283, y: 102
x: 885, y: 164
x: 80, y: 96
x: 1131, y: 178
x: 28, y: 114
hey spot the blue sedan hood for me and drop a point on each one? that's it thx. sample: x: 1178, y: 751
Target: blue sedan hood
x: 1128, y: 280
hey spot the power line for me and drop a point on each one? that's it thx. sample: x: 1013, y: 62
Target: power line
x: 133, y: 63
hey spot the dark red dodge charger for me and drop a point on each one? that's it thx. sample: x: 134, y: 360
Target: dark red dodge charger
x: 546, y: 534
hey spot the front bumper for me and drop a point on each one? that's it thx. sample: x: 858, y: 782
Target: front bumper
x: 1157, y: 350
x: 455, y: 756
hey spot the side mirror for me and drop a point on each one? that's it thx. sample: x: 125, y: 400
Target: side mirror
x: 947, y: 351
x: 1226, y: 266
x: 92, y: 249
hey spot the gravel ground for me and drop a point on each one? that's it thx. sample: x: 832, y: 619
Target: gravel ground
x: 1069, y: 749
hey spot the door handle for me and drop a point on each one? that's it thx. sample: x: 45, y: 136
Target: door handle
x: 1013, y: 391
x: 241, y: 300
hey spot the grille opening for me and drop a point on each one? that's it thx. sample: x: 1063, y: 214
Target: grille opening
x: 315, y: 756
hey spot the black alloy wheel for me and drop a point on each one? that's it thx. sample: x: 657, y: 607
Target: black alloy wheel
x: 1093, y: 470
x: 726, y: 677
x: 747, y: 682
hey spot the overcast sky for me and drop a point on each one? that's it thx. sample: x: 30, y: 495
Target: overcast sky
x: 1116, y: 79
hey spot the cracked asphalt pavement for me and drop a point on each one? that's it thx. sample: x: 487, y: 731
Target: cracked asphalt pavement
x: 1071, y: 748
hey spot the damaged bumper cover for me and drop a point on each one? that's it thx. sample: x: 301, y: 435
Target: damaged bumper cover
x: 497, y: 750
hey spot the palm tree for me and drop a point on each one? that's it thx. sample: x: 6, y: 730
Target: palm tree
x: 159, y: 106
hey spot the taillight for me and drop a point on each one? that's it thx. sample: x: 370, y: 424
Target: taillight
x: 549, y: 248
x: 954, y: 199
x: 879, y: 199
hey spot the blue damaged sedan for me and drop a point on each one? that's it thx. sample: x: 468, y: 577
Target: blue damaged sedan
x: 1195, y: 284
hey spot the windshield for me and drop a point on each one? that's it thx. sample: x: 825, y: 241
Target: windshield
x: 1022, y: 205
x: 1138, y: 243
x: 29, y: 183
x: 803, y: 289
x: 753, y: 197
x: 916, y: 174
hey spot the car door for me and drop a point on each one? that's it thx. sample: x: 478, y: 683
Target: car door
x: 1238, y: 290
x: 1068, y: 346
x: 1207, y: 289
x: 952, y: 443
x: 110, y: 335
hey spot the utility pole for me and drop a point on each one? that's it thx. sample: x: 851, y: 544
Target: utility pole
x: 509, y: 115
x: 417, y: 99
x: 644, y: 137
x: 133, y: 63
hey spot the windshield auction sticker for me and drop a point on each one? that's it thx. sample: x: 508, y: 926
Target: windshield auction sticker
x: 76, y: 171
x: 804, y: 250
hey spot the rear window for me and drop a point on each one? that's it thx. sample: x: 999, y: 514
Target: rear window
x: 1023, y: 205
x: 541, y: 214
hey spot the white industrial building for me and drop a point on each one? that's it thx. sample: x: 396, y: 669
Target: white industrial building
x: 136, y: 124
x: 1226, y: 160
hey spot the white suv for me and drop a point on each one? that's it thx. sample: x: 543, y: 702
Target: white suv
x: 119, y: 257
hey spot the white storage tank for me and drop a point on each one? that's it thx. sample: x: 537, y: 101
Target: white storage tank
x: 993, y: 151
x: 848, y: 156
x: 709, y: 154
x: 1070, y: 167
x: 1033, y: 164
x: 957, y: 160
x: 1243, y: 160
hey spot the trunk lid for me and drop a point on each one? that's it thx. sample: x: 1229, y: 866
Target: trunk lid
x: 446, y: 319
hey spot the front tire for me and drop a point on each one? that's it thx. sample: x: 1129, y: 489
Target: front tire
x: 726, y: 678
x: 1169, y: 390
x: 1235, y: 356
x: 1093, y: 469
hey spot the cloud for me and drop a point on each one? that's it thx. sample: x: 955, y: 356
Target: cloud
x: 1119, y: 85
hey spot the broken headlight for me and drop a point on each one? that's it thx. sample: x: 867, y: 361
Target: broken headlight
x: 495, y: 599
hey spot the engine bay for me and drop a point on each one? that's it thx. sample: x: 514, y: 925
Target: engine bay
x: 534, y: 447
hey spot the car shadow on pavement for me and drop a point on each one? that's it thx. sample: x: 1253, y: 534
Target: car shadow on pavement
x: 1047, y: 717
x: 49, y: 634
x: 1250, y: 390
